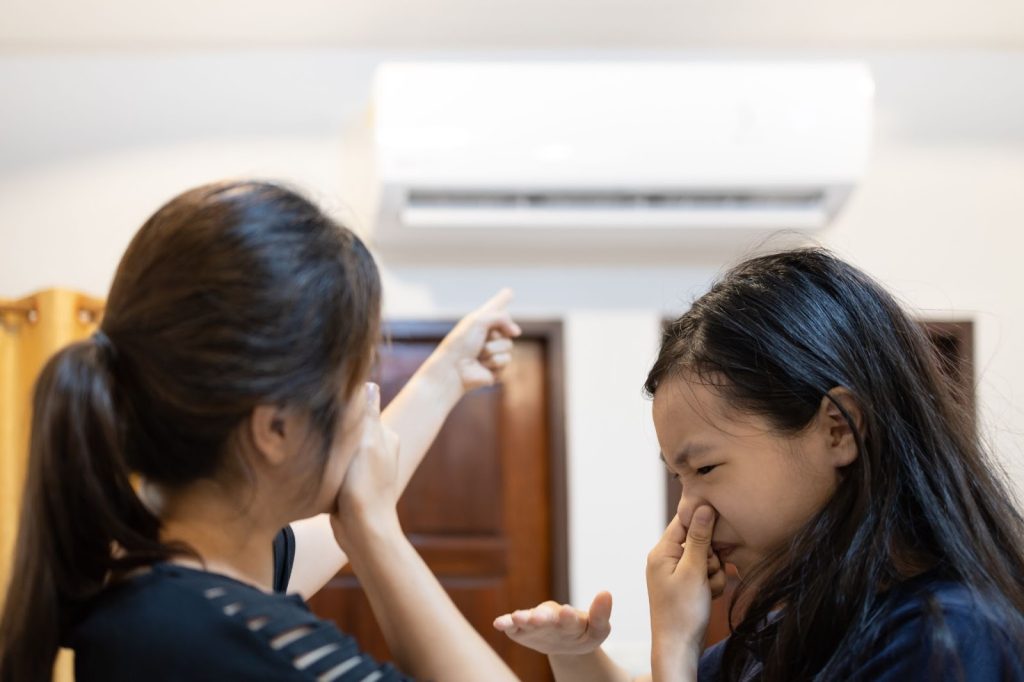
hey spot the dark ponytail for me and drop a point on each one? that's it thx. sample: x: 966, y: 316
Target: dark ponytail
x: 232, y: 295
x: 78, y: 500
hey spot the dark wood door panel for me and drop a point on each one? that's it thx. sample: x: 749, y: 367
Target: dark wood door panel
x: 485, y: 506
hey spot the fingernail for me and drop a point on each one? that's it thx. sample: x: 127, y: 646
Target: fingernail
x: 372, y: 392
x: 703, y: 515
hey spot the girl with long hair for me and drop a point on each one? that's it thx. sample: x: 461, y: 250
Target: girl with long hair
x: 825, y: 454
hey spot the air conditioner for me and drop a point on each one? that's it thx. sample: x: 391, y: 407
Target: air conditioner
x: 613, y: 154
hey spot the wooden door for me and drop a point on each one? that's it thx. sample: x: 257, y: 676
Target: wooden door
x: 486, y: 509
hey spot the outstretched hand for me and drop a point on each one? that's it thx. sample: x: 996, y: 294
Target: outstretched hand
x: 479, y: 347
x: 553, y: 628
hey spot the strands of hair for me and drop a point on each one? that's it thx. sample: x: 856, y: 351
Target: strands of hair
x: 229, y: 296
x: 773, y: 336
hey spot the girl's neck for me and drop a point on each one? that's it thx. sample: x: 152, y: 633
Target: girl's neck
x: 230, y: 539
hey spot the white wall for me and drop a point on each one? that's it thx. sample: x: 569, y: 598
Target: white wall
x: 91, y: 144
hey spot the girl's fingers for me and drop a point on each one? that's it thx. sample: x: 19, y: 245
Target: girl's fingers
x: 500, y: 322
x: 548, y: 613
x: 521, y: 619
x: 499, y: 301
x: 600, y: 614
x: 502, y: 344
x: 569, y: 618
x: 504, y: 623
x: 716, y: 583
x: 541, y: 616
x: 698, y: 538
x: 372, y: 399
x: 499, y: 361
x: 674, y: 535
x: 714, y: 564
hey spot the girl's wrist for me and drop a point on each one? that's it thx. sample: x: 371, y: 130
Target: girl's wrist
x: 441, y: 374
x: 674, y: 656
x: 674, y: 662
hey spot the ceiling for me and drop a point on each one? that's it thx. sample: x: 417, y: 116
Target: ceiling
x: 45, y: 25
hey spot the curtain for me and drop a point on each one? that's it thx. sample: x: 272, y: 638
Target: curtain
x: 31, y: 330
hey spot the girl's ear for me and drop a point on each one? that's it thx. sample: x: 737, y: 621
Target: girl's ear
x: 273, y: 430
x: 838, y: 432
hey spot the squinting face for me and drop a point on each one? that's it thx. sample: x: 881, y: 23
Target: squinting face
x: 762, y: 485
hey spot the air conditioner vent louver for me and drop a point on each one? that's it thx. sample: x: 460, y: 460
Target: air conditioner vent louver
x: 475, y: 210
x: 615, y: 200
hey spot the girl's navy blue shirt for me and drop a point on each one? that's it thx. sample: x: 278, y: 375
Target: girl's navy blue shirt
x: 982, y: 648
x: 176, y: 623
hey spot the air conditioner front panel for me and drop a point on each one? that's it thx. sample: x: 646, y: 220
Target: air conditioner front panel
x: 471, y: 152
x: 639, y: 123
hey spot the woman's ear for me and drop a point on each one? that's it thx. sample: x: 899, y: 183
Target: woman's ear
x: 839, y: 436
x: 273, y: 430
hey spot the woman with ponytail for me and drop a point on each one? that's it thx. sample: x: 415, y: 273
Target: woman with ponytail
x: 228, y: 380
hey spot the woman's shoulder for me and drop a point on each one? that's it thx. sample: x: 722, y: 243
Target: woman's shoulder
x: 180, y: 623
x: 936, y: 628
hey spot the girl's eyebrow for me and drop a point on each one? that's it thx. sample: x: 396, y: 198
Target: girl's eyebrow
x: 689, y: 450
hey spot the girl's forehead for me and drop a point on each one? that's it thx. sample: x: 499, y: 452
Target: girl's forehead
x: 685, y: 397
x: 686, y: 406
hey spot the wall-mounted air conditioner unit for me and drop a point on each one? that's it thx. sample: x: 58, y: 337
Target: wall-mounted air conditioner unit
x: 614, y: 154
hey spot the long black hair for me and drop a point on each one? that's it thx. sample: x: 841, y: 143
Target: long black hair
x: 230, y: 296
x: 773, y: 336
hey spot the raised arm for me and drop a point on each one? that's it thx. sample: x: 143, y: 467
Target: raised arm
x: 472, y: 355
x: 424, y: 630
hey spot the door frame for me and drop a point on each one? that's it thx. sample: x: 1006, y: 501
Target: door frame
x: 550, y: 332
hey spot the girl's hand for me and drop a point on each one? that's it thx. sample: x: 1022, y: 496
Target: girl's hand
x: 553, y: 628
x: 480, y: 345
x: 682, y: 576
x: 369, y: 492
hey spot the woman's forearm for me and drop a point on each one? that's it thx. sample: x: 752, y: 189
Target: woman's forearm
x: 419, y: 411
x: 427, y: 634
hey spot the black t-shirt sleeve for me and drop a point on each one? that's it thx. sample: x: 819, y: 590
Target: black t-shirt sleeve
x: 284, y: 557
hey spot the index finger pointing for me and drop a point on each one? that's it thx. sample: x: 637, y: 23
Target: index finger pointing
x: 498, y: 302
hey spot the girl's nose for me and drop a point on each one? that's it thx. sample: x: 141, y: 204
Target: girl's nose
x: 687, y: 505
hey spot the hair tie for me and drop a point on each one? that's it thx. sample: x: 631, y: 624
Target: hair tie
x: 104, y: 344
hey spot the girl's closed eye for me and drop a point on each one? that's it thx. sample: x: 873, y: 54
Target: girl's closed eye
x: 700, y: 471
